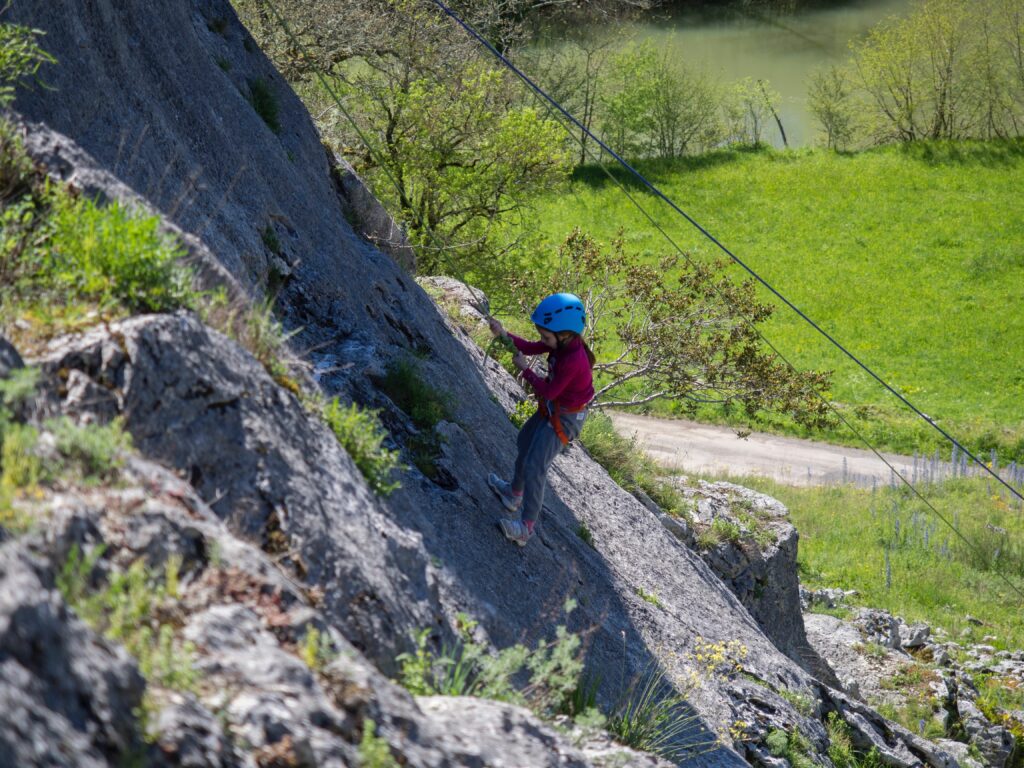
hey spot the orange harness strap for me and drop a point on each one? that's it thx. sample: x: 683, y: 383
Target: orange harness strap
x: 552, y: 416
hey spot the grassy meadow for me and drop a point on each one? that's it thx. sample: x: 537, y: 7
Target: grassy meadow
x: 932, y: 576
x: 912, y: 256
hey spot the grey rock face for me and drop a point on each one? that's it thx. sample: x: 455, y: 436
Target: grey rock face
x: 995, y: 743
x: 245, y: 443
x: 503, y: 736
x: 879, y: 627
x: 762, y: 575
x: 9, y: 358
x: 67, y: 696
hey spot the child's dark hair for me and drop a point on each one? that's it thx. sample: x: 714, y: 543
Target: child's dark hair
x: 564, y: 337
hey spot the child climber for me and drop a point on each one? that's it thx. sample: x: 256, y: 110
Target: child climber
x: 562, y: 399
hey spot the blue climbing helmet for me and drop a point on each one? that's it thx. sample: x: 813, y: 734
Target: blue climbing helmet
x: 560, y: 312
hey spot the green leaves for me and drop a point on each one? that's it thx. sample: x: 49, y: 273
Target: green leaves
x: 20, y: 56
x: 361, y: 434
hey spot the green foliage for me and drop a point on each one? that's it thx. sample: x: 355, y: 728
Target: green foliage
x: 792, y: 746
x: 361, y: 434
x: 264, y: 103
x: 800, y: 702
x: 374, y: 751
x: 653, y: 717
x: 426, y: 406
x: 585, y: 534
x: 649, y: 597
x: 840, y: 746
x: 524, y: 410
x: 469, y: 669
x: 270, y: 239
x: 653, y: 106
x: 829, y: 99
x: 748, y: 106
x: 21, y: 56
x: 128, y: 609
x: 93, y: 450
x: 950, y: 69
x: 954, y: 242
x: 22, y: 466
x: 113, y: 256
x: 317, y: 650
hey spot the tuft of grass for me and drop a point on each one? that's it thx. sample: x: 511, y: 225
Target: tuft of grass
x: 264, y: 103
x: 317, y: 650
x: 627, y: 464
x: 553, y: 670
x: 792, y: 746
x: 522, y: 413
x: 374, y: 751
x: 361, y: 434
x: 270, y: 239
x: 224, y: 63
x: 585, y: 534
x: 649, y: 597
x: 840, y: 746
x: 94, y: 451
x: 424, y: 404
x: 653, y: 717
x: 129, y: 609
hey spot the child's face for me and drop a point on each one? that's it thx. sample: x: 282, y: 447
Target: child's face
x: 548, y: 338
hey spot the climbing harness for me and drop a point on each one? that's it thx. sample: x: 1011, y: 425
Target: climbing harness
x: 552, y: 411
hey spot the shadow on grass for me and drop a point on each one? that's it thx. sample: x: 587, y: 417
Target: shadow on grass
x: 990, y: 154
x: 595, y: 175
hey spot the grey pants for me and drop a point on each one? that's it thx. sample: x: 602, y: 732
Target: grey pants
x: 538, y: 445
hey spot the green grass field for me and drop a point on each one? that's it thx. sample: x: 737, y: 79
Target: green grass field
x: 911, y: 256
x: 932, y: 575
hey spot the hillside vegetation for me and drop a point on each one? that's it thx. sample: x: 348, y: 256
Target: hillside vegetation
x: 910, y: 255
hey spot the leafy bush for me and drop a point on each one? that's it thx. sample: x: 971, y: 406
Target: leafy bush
x: 20, y: 56
x: 469, y: 669
x: 792, y: 746
x: 361, y: 434
x: 113, y: 256
x: 374, y: 751
x: 129, y: 609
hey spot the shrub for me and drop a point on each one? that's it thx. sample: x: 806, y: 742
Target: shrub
x: 653, y: 717
x: 129, y: 609
x: 522, y: 413
x: 20, y: 56
x: 792, y: 746
x: 22, y: 466
x: 469, y: 669
x: 374, y: 751
x: 114, y: 256
x: 93, y: 450
x: 361, y: 434
x: 264, y: 103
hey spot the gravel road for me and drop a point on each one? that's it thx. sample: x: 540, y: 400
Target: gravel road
x: 692, y: 447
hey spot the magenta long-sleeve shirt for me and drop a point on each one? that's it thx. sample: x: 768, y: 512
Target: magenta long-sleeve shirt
x: 570, y: 381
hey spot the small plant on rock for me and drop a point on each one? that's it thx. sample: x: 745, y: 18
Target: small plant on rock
x: 360, y: 433
x: 264, y: 103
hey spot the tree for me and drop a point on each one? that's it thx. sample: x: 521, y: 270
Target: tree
x: 748, y: 106
x: 452, y: 148
x: 654, y: 107
x: 830, y: 100
x: 674, y: 330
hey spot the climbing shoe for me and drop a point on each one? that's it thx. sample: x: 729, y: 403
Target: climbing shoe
x: 516, y: 531
x: 503, y: 491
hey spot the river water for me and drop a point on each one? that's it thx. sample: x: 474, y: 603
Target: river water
x: 731, y: 42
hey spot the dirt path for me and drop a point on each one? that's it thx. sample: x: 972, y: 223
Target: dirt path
x: 693, y: 447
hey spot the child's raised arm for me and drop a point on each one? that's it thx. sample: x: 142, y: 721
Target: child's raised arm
x: 529, y: 347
